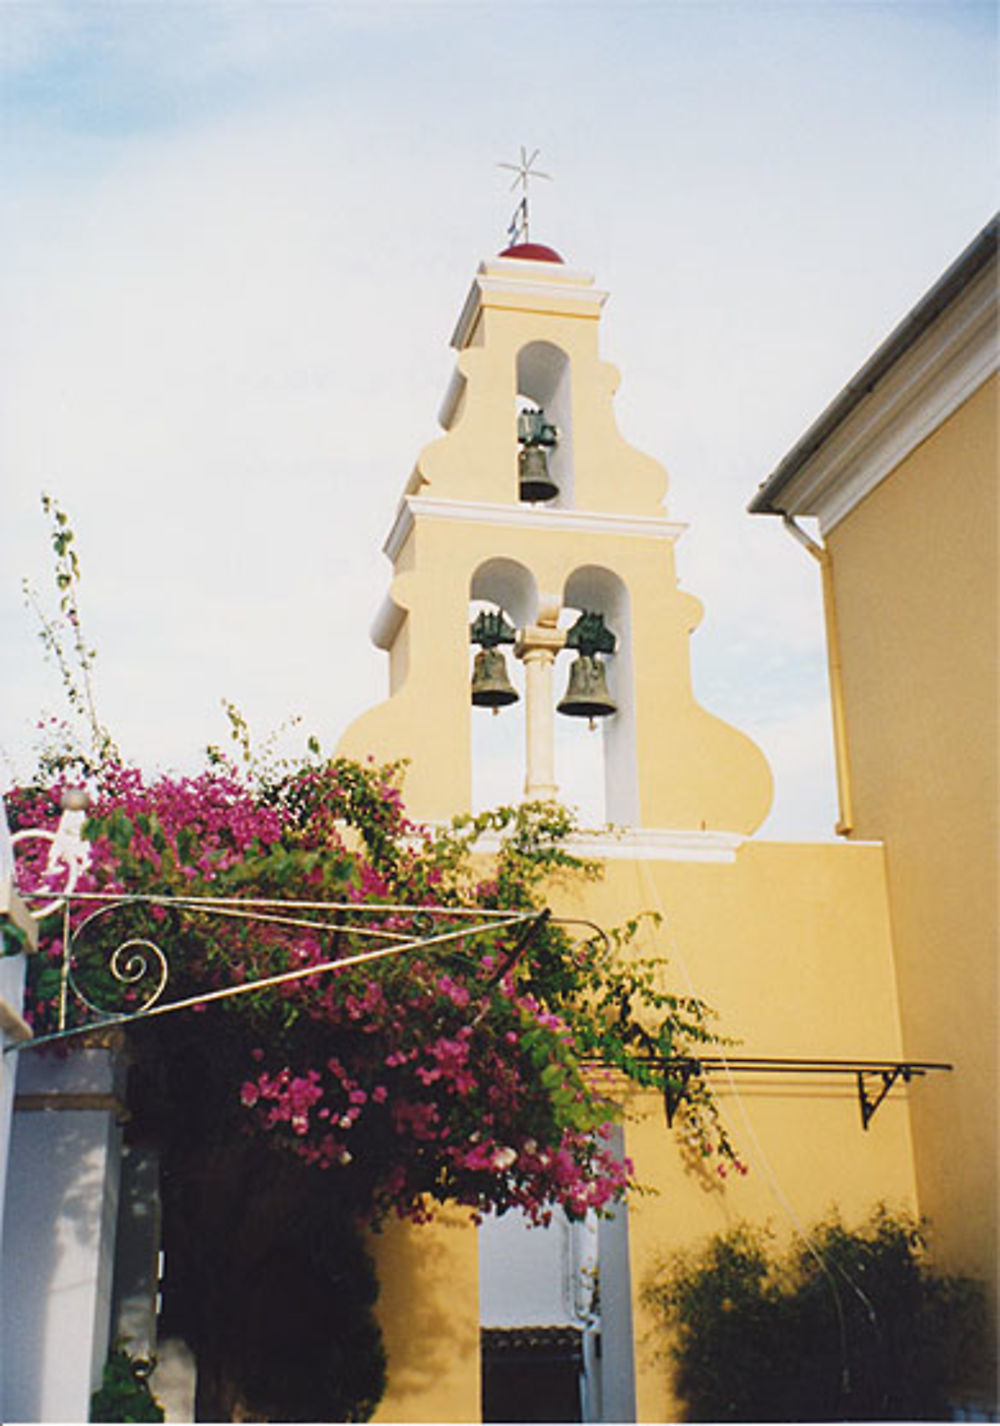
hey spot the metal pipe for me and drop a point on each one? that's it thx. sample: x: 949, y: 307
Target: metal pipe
x: 845, y: 800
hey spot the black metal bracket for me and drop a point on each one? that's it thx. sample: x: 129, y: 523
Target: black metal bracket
x: 675, y: 1087
x: 888, y: 1077
x: 874, y: 1078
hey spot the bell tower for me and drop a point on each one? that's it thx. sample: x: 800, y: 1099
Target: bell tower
x: 533, y: 505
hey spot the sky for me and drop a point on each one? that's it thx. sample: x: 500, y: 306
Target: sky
x: 234, y: 240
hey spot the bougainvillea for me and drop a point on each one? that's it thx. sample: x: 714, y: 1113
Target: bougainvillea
x: 445, y: 1073
x: 473, y: 1059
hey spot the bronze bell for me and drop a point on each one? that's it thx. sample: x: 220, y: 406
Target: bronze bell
x: 587, y: 694
x: 533, y: 474
x: 491, y: 688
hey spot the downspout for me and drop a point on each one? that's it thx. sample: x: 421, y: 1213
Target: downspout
x: 845, y: 802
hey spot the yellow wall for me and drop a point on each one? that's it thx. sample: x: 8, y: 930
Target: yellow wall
x: 428, y: 1310
x: 714, y: 776
x: 916, y: 582
x: 791, y: 944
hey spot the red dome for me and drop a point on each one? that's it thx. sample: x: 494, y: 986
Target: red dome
x: 532, y: 252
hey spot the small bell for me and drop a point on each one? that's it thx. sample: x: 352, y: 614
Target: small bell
x: 491, y: 688
x: 587, y: 693
x: 533, y: 475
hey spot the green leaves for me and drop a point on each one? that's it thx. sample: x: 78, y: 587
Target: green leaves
x: 845, y: 1325
x: 124, y: 1394
x: 118, y: 829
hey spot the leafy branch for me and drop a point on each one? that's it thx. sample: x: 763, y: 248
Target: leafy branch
x: 64, y: 642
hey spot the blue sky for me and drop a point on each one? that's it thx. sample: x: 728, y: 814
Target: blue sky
x: 234, y: 239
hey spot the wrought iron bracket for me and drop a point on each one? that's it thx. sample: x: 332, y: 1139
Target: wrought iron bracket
x: 398, y: 931
x: 874, y: 1078
x: 675, y: 1088
x: 887, y: 1078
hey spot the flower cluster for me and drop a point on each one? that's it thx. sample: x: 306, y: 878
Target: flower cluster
x: 452, y: 1073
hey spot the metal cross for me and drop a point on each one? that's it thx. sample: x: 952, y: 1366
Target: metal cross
x: 517, y: 230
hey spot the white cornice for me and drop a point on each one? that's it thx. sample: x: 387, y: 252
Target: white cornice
x: 922, y: 389
x: 525, y: 518
x: 657, y: 844
x: 541, y: 286
x: 643, y: 844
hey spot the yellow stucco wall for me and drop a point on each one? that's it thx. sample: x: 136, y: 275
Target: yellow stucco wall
x: 791, y: 944
x: 428, y: 1310
x: 536, y: 335
x: 916, y: 585
x: 715, y: 777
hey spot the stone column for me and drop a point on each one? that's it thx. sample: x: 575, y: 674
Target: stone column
x: 537, y: 647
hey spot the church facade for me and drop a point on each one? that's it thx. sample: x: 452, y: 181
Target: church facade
x: 531, y: 553
x: 533, y: 511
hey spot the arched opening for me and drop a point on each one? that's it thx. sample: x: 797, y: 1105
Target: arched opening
x: 500, y: 586
x: 596, y: 768
x: 543, y: 381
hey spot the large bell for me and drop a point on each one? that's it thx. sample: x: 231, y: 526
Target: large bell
x: 533, y: 474
x: 491, y: 688
x: 587, y: 694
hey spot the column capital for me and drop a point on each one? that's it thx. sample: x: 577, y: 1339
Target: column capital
x: 538, y: 643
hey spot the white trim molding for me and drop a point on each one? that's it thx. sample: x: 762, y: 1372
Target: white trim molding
x: 663, y: 844
x: 930, y: 383
x: 657, y: 844
x: 545, y: 286
x: 935, y: 360
x: 526, y: 517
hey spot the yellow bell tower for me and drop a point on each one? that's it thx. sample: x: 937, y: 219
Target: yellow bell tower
x: 533, y: 504
x: 531, y: 529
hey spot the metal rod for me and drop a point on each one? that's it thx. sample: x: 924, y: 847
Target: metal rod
x: 778, y: 1063
x: 248, y: 988
x: 64, y: 969
x: 369, y: 908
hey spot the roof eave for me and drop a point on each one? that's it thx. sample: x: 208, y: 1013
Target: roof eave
x: 769, y: 499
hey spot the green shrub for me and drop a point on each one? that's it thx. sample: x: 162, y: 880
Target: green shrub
x: 847, y: 1326
x: 124, y: 1394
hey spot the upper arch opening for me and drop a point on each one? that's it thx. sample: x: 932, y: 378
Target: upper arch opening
x: 544, y: 380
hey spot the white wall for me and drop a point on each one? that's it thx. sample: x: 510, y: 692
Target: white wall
x: 58, y: 1236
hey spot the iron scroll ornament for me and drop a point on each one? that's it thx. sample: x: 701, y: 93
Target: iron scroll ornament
x: 138, y: 958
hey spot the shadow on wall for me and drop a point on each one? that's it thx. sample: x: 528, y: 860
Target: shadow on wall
x: 430, y: 1336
